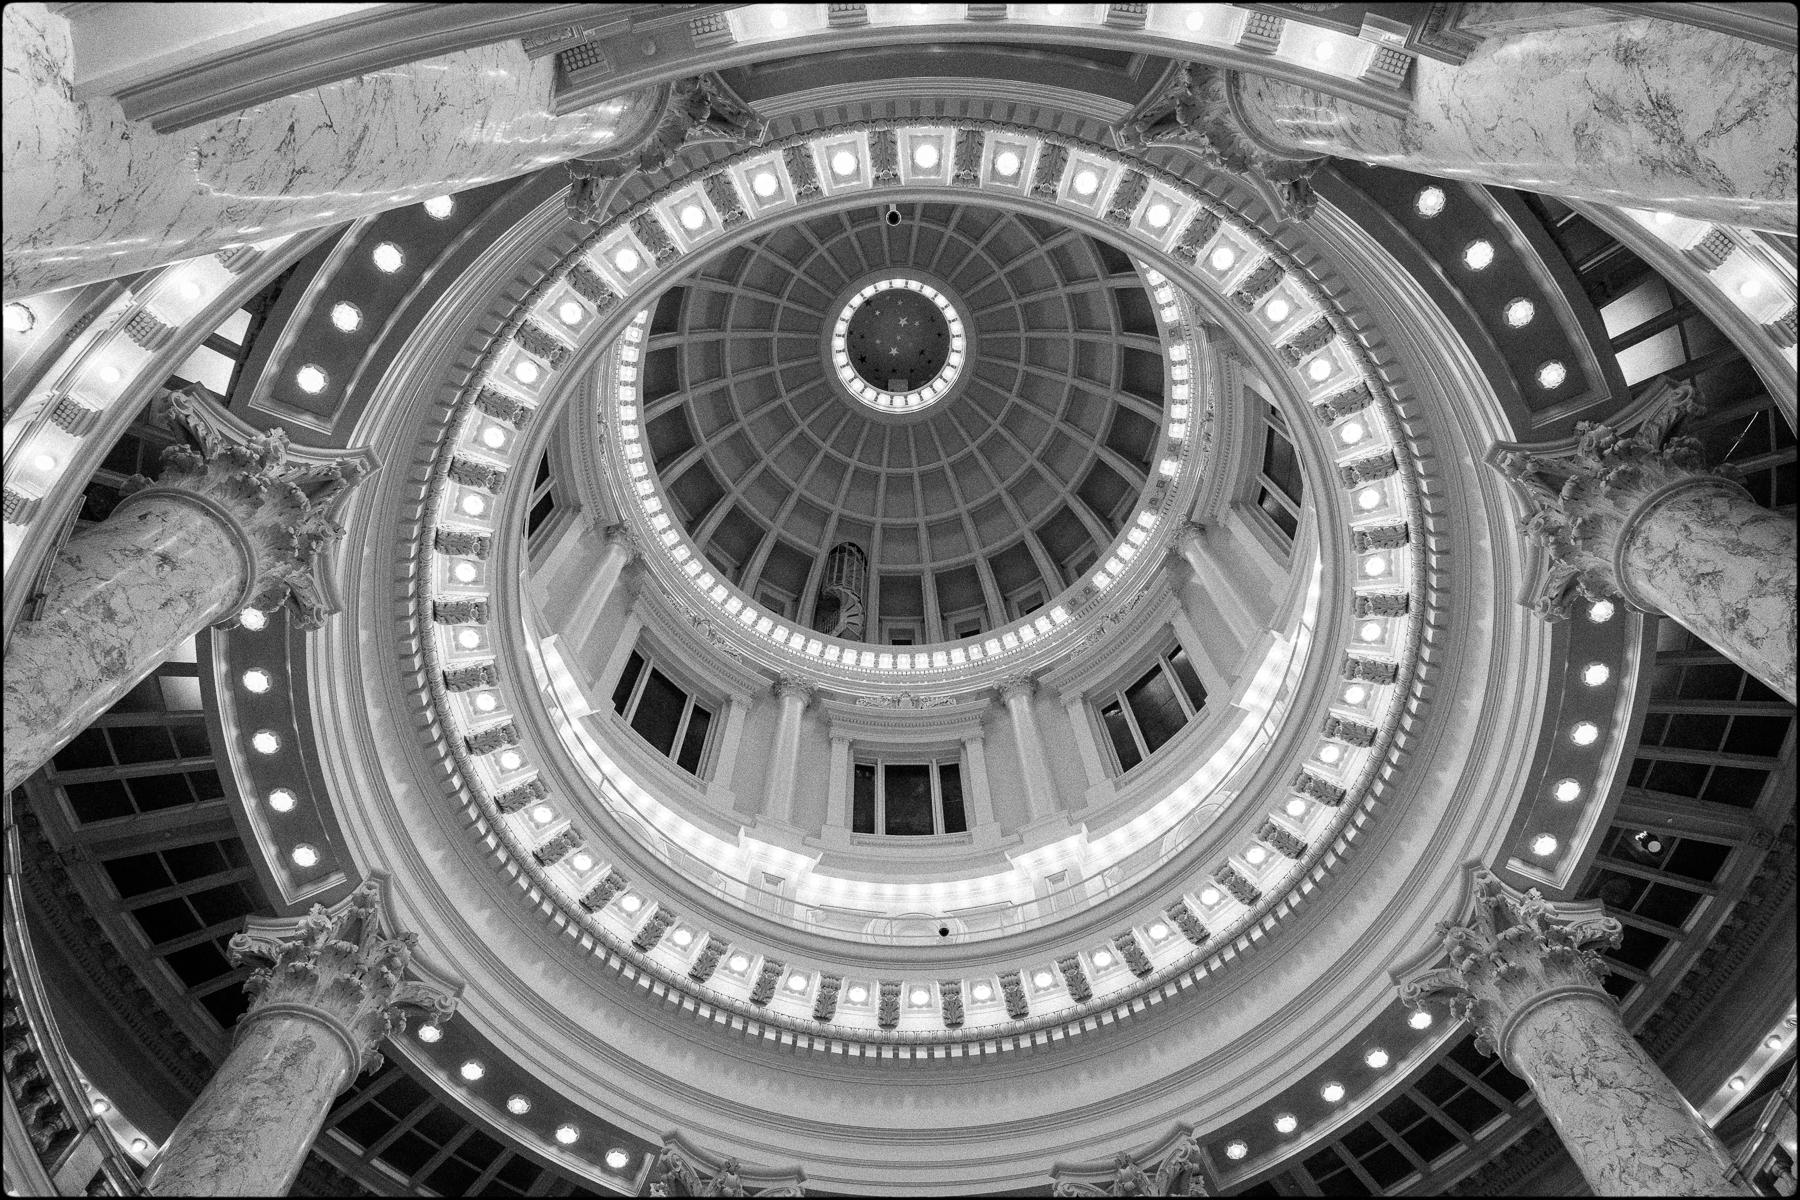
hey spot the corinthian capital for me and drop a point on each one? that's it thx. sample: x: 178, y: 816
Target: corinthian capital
x: 794, y: 685
x: 1512, y: 948
x: 278, y: 497
x: 1197, y: 112
x: 1582, y: 503
x: 342, y: 965
x: 1023, y: 684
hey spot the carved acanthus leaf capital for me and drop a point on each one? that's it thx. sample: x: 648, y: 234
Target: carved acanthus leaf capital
x: 1021, y: 686
x: 344, y: 963
x: 794, y: 685
x: 1512, y: 947
x: 280, y: 503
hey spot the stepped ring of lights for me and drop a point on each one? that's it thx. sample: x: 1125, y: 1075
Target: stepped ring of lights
x: 881, y: 399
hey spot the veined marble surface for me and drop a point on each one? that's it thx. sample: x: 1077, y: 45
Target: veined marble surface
x: 1724, y: 567
x: 1644, y: 113
x: 251, y: 1128
x: 122, y: 596
x: 90, y: 195
x: 1625, y: 1125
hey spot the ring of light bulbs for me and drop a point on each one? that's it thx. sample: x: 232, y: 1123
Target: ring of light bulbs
x: 917, y: 399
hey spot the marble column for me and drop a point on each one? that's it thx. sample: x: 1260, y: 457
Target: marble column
x: 1034, y: 771
x: 233, y: 522
x: 332, y: 992
x: 1521, y: 972
x: 837, y: 799
x: 619, y: 551
x: 983, y: 822
x: 105, y: 196
x: 1624, y: 113
x: 793, y: 694
x: 1641, y: 517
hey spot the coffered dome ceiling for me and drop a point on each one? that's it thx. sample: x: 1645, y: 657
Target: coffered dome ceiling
x: 986, y: 502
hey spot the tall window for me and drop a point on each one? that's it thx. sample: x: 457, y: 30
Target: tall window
x: 908, y: 799
x: 1140, y: 718
x: 663, y: 714
x: 1280, y: 489
x: 543, y: 499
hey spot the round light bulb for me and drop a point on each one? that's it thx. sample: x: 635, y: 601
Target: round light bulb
x: 570, y: 313
x: 778, y: 19
x: 1356, y: 693
x: 543, y: 814
x: 920, y: 996
x: 139, y: 1145
x: 684, y: 937
x: 1296, y: 807
x: 44, y: 462
x: 1256, y: 854
x: 20, y: 318
x: 582, y: 862
x: 526, y: 371
x: 1209, y: 896
x: 692, y: 217
x: 858, y: 994
x: 474, y: 505
x: 843, y: 164
x: 567, y: 1134
x: 983, y: 992
x: 388, y: 258
x: 1601, y: 611
x: 796, y: 983
x: 1750, y: 287
x: 1332, y: 1092
x: 464, y: 572
x: 1773, y: 1041
x: 1277, y: 309
x: 1103, y: 958
x: 310, y: 379
x: 617, y: 1159
x: 111, y: 374
x: 430, y: 1033
x: 764, y: 184
x: 1550, y: 376
x: 471, y: 1070
x: 1375, y: 565
x: 739, y: 962
x: 102, y: 1106
x: 1478, y: 254
x: 1429, y: 202
x: 486, y: 701
x: 1566, y: 791
x: 493, y: 437
x: 346, y: 316
x: 518, y: 1106
x: 1377, y: 1058
x: 439, y: 207
x: 925, y: 155
x: 1420, y: 1020
x: 1006, y: 163
x: 1236, y: 1150
x: 1369, y: 499
x: 1595, y: 674
x: 1158, y: 931
x: 1086, y: 182
x: 510, y: 760
x: 191, y: 289
x: 1738, y: 1083
x: 256, y: 680
x: 305, y: 855
x: 1585, y: 733
x: 1519, y: 312
x: 1158, y: 215
x: 1319, y: 370
x: 1330, y: 754
x: 1223, y: 258
x: 265, y: 741
x: 626, y: 259
x: 282, y: 800
x: 1543, y: 844
x: 1324, y: 51
x: 1286, y: 1123
x: 253, y: 619
x: 1042, y: 979
x: 1370, y: 631
x: 1351, y: 433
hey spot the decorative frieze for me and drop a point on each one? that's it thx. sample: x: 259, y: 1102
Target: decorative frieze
x: 1713, y: 249
x: 802, y: 171
x: 1322, y: 790
x: 1127, y: 16
x: 1381, y: 604
x: 951, y: 1002
x: 515, y: 798
x: 557, y: 848
x: 1075, y: 978
x: 884, y: 156
x: 1241, y: 889
x: 1179, y: 1175
x: 1282, y: 840
x: 1258, y: 283
x: 1354, y: 733
x: 887, y: 1009
x: 1132, y: 951
x: 763, y: 990
x: 459, y: 612
x: 1379, y: 537
x: 464, y: 679
x: 1012, y: 990
x: 646, y: 938
x: 846, y: 16
x: 711, y: 29
x: 464, y: 543
x: 653, y: 237
x: 1368, y: 470
x: 707, y: 961
x: 825, y: 1001
x: 1370, y: 670
x: 969, y: 143
x: 1051, y: 160
x: 1199, y: 232
x: 591, y: 287
x: 1125, y: 197
x: 537, y: 340
x: 602, y: 893
x: 149, y: 332
x: 725, y: 200
x: 494, y: 737
x: 71, y: 416
x: 502, y: 407
x: 1308, y: 341
x: 470, y: 473
x: 1352, y: 400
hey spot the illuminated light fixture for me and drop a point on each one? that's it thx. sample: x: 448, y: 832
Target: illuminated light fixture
x: 739, y: 962
x: 430, y: 1033
x: 305, y: 855
x: 1277, y: 309
x: 1158, y: 215
x: 310, y: 379
x: 626, y: 259
x: 1296, y: 807
x: 1330, y: 754
x: 486, y: 701
x: 982, y: 992
x: 1158, y: 932
x: 44, y: 462
x: 518, y: 1106
x: 1420, y: 1020
x: 1006, y: 164
x: 683, y: 937
x: 1585, y: 733
x: 282, y: 800
x: 1750, y: 288
x: 439, y: 208
x: 1087, y: 182
x: 1566, y: 791
x: 1595, y: 674
x: 1234, y: 1150
x: 1223, y: 258
x: 1356, y: 693
x: 1375, y: 565
x: 1478, y: 254
x: 1543, y: 845
x: 111, y: 374
x: 1370, y: 631
x: 1601, y: 611
x: 464, y: 572
x: 139, y: 1145
x: 925, y: 156
x: 1550, y: 376
x: 920, y: 996
x: 1286, y: 1123
x: 388, y: 258
x: 1042, y: 979
x: 582, y: 862
x: 474, y: 505
x: 543, y: 814
x: 796, y: 983
x: 631, y: 902
x: 192, y: 289
x: 1255, y: 856
x: 570, y: 313
x: 1324, y: 51
x: 843, y: 163
x: 256, y: 680
x: 102, y: 1106
x: 617, y: 1159
x: 764, y: 184
x: 778, y: 19
x: 1429, y: 202
x: 1773, y: 1041
x: 526, y: 371
x: 1352, y: 433
x: 511, y: 760
x: 20, y: 318
x: 493, y: 437
x: 1738, y: 1083
x: 265, y: 741
x: 1332, y: 1092
x: 1369, y: 499
x: 1377, y: 1058
x: 567, y: 1134
x: 1209, y: 896
x: 692, y: 217
x: 1519, y: 312
x: 858, y: 993
x: 471, y: 1070
x: 1103, y: 958
x: 1662, y: 218
x: 1319, y: 370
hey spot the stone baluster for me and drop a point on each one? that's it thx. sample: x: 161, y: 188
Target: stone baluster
x: 332, y: 992
x: 794, y: 694
x: 1521, y: 971
x: 1641, y: 517
x: 1040, y: 792
x: 237, y: 520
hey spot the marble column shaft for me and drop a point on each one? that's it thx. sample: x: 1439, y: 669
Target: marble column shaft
x: 1643, y: 113
x: 784, y: 755
x: 616, y: 554
x: 1040, y: 793
x: 1523, y: 972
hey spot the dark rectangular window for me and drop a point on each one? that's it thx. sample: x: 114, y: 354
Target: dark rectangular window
x: 1159, y: 714
x: 634, y: 666
x: 916, y: 799
x: 693, y: 742
x: 661, y: 712
x: 1142, y: 718
x: 1119, y: 729
x: 908, y: 796
x: 863, y: 816
x: 950, y: 788
x: 658, y: 715
x: 1283, y: 488
x: 1188, y: 678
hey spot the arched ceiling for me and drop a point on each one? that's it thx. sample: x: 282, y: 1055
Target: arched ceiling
x: 1003, y: 490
